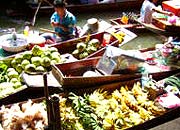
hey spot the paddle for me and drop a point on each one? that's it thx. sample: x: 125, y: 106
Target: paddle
x: 48, y: 30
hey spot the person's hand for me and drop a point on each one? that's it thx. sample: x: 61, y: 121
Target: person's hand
x: 55, y: 24
x: 171, y: 14
x: 63, y: 28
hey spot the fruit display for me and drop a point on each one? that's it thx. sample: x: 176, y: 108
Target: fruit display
x: 37, y: 60
x: 89, y: 46
x: 83, y: 49
x: 100, y: 110
x: 28, y: 116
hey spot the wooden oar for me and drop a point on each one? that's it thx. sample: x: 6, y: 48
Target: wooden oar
x: 48, y: 30
x: 34, y: 18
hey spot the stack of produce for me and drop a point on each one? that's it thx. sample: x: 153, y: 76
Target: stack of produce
x: 37, y: 60
x: 83, y: 49
x: 100, y: 110
x: 89, y: 46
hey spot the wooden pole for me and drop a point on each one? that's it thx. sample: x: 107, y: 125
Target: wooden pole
x: 48, y: 104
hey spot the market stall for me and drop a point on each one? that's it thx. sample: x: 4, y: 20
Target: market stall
x: 45, y: 70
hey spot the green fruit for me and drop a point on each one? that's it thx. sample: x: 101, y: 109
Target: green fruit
x: 40, y: 69
x: 14, y: 80
x: 83, y: 55
x: 46, y: 62
x: 19, y: 68
x: 91, y: 49
x: 24, y: 63
x: 27, y: 55
x: 55, y: 54
x: 81, y: 46
x: 10, y: 69
x: 53, y: 49
x: 54, y: 62
x: 46, y: 54
x: 94, y: 42
x: 17, y: 85
x: 36, y: 61
x: 14, y: 63
x: 18, y: 58
x: 30, y: 68
x: 75, y: 53
x: 37, y: 50
x: 13, y: 74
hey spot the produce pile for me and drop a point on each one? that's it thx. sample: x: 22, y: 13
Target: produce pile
x: 89, y: 46
x: 28, y: 116
x: 100, y: 110
x: 37, y: 60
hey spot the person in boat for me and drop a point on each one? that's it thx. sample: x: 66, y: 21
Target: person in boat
x: 148, y: 8
x: 63, y: 22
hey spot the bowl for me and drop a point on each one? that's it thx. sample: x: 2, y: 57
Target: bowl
x: 11, y: 44
x: 36, y: 40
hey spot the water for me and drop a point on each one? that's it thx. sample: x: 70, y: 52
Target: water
x: 145, y: 39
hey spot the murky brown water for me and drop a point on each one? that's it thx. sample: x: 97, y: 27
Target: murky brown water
x: 144, y: 39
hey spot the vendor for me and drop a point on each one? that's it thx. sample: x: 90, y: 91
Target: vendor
x: 63, y: 23
x: 148, y: 8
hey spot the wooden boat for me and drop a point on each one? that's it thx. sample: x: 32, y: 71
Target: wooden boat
x: 168, y: 115
x: 158, y: 26
x: 67, y: 47
x: 70, y: 75
x: 131, y: 25
x: 88, y: 7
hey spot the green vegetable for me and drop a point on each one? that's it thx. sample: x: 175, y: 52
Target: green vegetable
x: 3, y: 71
x: 27, y: 55
x: 84, y: 111
x: 46, y: 62
x: 30, y: 68
x: 13, y: 74
x: 40, y: 69
x: 36, y: 61
x: 24, y: 63
x: 37, y: 50
x: 81, y: 46
x: 19, y: 68
x: 18, y: 58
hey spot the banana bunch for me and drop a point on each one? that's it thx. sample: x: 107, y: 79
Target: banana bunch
x: 120, y: 109
x: 119, y: 35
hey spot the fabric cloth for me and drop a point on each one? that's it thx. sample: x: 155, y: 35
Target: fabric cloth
x: 69, y: 21
x: 146, y: 11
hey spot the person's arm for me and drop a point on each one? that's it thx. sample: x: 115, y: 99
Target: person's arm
x: 163, y: 12
x: 55, y: 24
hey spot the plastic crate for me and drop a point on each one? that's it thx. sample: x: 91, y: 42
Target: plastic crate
x: 172, y: 6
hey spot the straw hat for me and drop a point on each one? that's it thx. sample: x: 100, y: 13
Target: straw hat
x: 93, y: 24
